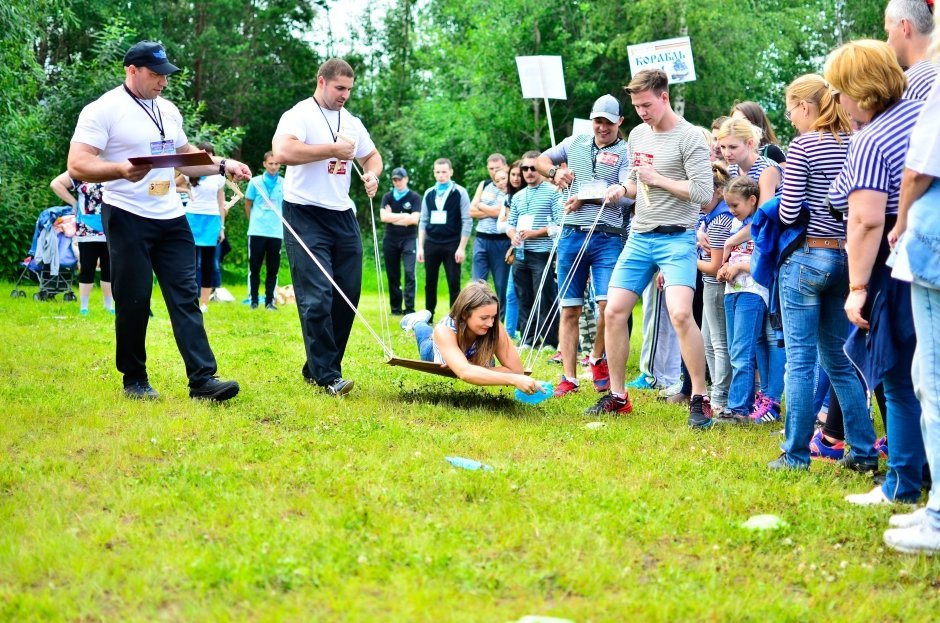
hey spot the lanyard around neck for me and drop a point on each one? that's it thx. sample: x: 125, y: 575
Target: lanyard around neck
x: 339, y: 118
x: 153, y: 111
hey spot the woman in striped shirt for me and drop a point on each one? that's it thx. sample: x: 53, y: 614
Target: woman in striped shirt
x: 814, y: 280
x: 869, y: 85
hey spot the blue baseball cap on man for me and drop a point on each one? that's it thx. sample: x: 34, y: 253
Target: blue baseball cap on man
x: 151, y: 55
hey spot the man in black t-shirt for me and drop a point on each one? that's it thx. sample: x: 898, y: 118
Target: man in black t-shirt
x: 401, y: 209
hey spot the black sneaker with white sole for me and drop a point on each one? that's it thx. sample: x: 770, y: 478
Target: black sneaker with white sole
x: 339, y: 387
x: 215, y: 389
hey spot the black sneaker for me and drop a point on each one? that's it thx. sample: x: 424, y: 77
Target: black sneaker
x: 700, y: 412
x: 270, y: 307
x: 339, y: 387
x: 216, y: 390
x: 254, y: 305
x: 781, y: 464
x: 610, y: 404
x: 141, y: 390
x: 862, y: 466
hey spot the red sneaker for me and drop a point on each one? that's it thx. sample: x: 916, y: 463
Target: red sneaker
x: 601, y: 374
x: 609, y: 404
x: 565, y: 387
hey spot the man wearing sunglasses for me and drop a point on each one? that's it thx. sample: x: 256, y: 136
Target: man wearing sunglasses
x: 533, y: 210
x: 592, y: 163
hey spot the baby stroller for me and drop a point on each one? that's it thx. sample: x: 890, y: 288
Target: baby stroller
x: 51, y: 262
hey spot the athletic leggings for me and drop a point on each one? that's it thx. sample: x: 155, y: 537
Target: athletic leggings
x: 89, y: 254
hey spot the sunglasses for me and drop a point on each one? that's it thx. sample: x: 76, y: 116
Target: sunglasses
x: 526, y: 169
x: 837, y: 96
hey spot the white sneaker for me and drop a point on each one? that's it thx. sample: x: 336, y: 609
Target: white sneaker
x: 204, y: 308
x: 672, y: 390
x: 920, y: 539
x: 408, y: 321
x: 909, y: 520
x: 873, y: 497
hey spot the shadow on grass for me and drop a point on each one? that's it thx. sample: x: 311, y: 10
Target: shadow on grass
x: 444, y: 394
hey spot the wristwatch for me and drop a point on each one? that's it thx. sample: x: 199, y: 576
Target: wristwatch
x: 552, y: 172
x: 222, y: 166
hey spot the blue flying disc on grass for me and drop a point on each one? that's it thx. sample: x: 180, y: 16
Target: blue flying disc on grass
x: 533, y: 399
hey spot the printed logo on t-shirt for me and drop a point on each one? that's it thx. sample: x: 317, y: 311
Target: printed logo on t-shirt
x: 336, y: 167
x: 406, y: 207
x: 609, y: 158
x: 639, y: 159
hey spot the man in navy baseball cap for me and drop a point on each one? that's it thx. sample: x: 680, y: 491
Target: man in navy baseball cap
x: 151, y: 55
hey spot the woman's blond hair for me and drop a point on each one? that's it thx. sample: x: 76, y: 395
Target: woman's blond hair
x: 476, y: 294
x: 813, y: 89
x: 867, y: 71
x: 740, y: 128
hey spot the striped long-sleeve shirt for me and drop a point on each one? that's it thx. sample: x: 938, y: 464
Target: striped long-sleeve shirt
x: 813, y: 164
x: 876, y: 156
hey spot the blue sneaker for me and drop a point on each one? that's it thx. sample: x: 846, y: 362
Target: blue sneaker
x: 820, y: 451
x: 642, y: 382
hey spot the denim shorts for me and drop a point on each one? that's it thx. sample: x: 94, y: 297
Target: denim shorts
x: 673, y: 254
x: 599, y: 258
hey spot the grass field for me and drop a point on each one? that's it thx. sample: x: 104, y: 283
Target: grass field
x: 287, y: 505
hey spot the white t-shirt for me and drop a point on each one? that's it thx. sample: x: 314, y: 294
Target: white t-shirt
x: 205, y: 196
x: 117, y: 125
x: 323, y: 183
x: 923, y: 153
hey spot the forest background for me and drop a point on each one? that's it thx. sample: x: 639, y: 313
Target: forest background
x: 435, y: 78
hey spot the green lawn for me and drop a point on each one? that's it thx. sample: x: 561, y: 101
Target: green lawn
x: 287, y: 505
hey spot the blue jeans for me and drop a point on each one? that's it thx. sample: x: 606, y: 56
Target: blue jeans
x: 599, y: 259
x: 744, y: 313
x: 906, y: 456
x: 489, y: 257
x: 424, y: 333
x: 813, y: 287
x: 926, y: 373
x: 771, y: 363
x: 512, y: 308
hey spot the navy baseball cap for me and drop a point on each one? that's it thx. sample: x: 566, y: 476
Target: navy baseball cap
x: 399, y: 173
x: 151, y: 55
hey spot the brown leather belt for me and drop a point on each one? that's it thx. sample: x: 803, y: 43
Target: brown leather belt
x: 825, y: 243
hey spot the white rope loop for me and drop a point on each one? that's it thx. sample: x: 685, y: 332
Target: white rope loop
x: 555, y: 309
x: 383, y: 315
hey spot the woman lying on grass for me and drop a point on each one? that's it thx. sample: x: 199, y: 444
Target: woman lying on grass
x: 470, y: 340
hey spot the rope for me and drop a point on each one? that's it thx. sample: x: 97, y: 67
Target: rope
x: 555, y: 309
x: 383, y: 315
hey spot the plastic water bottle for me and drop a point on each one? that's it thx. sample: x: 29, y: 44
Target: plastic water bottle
x: 537, y: 397
x: 470, y: 464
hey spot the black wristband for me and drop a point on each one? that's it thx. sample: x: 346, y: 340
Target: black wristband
x: 222, y: 166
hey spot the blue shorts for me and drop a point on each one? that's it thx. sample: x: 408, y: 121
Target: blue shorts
x: 599, y: 258
x: 673, y: 254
